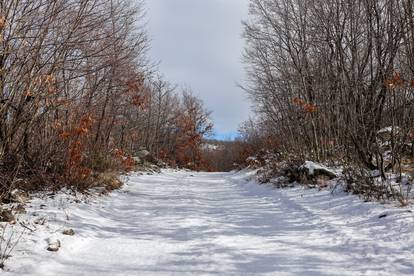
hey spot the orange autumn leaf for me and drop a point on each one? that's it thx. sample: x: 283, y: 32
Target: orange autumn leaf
x: 64, y: 135
x: 298, y: 101
x: 2, y: 22
x: 310, y: 108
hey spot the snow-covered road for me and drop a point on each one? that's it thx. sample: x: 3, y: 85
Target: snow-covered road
x: 184, y: 223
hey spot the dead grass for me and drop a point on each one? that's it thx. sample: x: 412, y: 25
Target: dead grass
x: 108, y: 180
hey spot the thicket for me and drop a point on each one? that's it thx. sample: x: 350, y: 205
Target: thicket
x: 78, y: 95
x: 326, y: 78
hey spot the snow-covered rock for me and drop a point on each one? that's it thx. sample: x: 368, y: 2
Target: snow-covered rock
x: 53, y: 245
x: 313, y: 169
x: 142, y: 154
x: 137, y: 160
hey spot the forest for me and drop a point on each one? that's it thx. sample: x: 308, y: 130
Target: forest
x: 333, y: 81
x: 80, y: 96
x: 110, y: 167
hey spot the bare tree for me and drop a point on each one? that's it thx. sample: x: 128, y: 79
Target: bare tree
x: 326, y: 76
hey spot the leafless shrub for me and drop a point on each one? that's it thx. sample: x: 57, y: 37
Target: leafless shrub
x: 326, y: 76
x: 78, y: 93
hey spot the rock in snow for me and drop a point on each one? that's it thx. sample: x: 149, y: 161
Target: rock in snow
x: 143, y: 153
x: 315, y: 170
x: 54, y: 245
x: 68, y: 232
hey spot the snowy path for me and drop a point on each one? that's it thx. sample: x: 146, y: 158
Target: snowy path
x: 182, y: 223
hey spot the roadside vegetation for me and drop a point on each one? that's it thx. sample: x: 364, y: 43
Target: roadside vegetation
x: 333, y: 82
x: 79, y: 96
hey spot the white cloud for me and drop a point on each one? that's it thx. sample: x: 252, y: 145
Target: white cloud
x: 199, y: 44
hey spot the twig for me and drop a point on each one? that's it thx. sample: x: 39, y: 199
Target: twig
x: 25, y: 226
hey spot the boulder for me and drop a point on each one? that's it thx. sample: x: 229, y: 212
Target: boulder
x: 315, y: 173
x: 137, y: 160
x: 68, y: 232
x: 316, y: 169
x: 143, y: 153
x: 54, y: 245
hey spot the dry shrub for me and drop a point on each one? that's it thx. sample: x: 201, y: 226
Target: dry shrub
x: 110, y: 181
x: 372, y: 186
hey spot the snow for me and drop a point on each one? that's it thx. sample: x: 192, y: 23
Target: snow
x: 387, y: 130
x: 312, y: 167
x: 186, y: 223
x: 211, y: 147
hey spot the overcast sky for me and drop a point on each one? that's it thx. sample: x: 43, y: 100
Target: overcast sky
x: 199, y: 44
